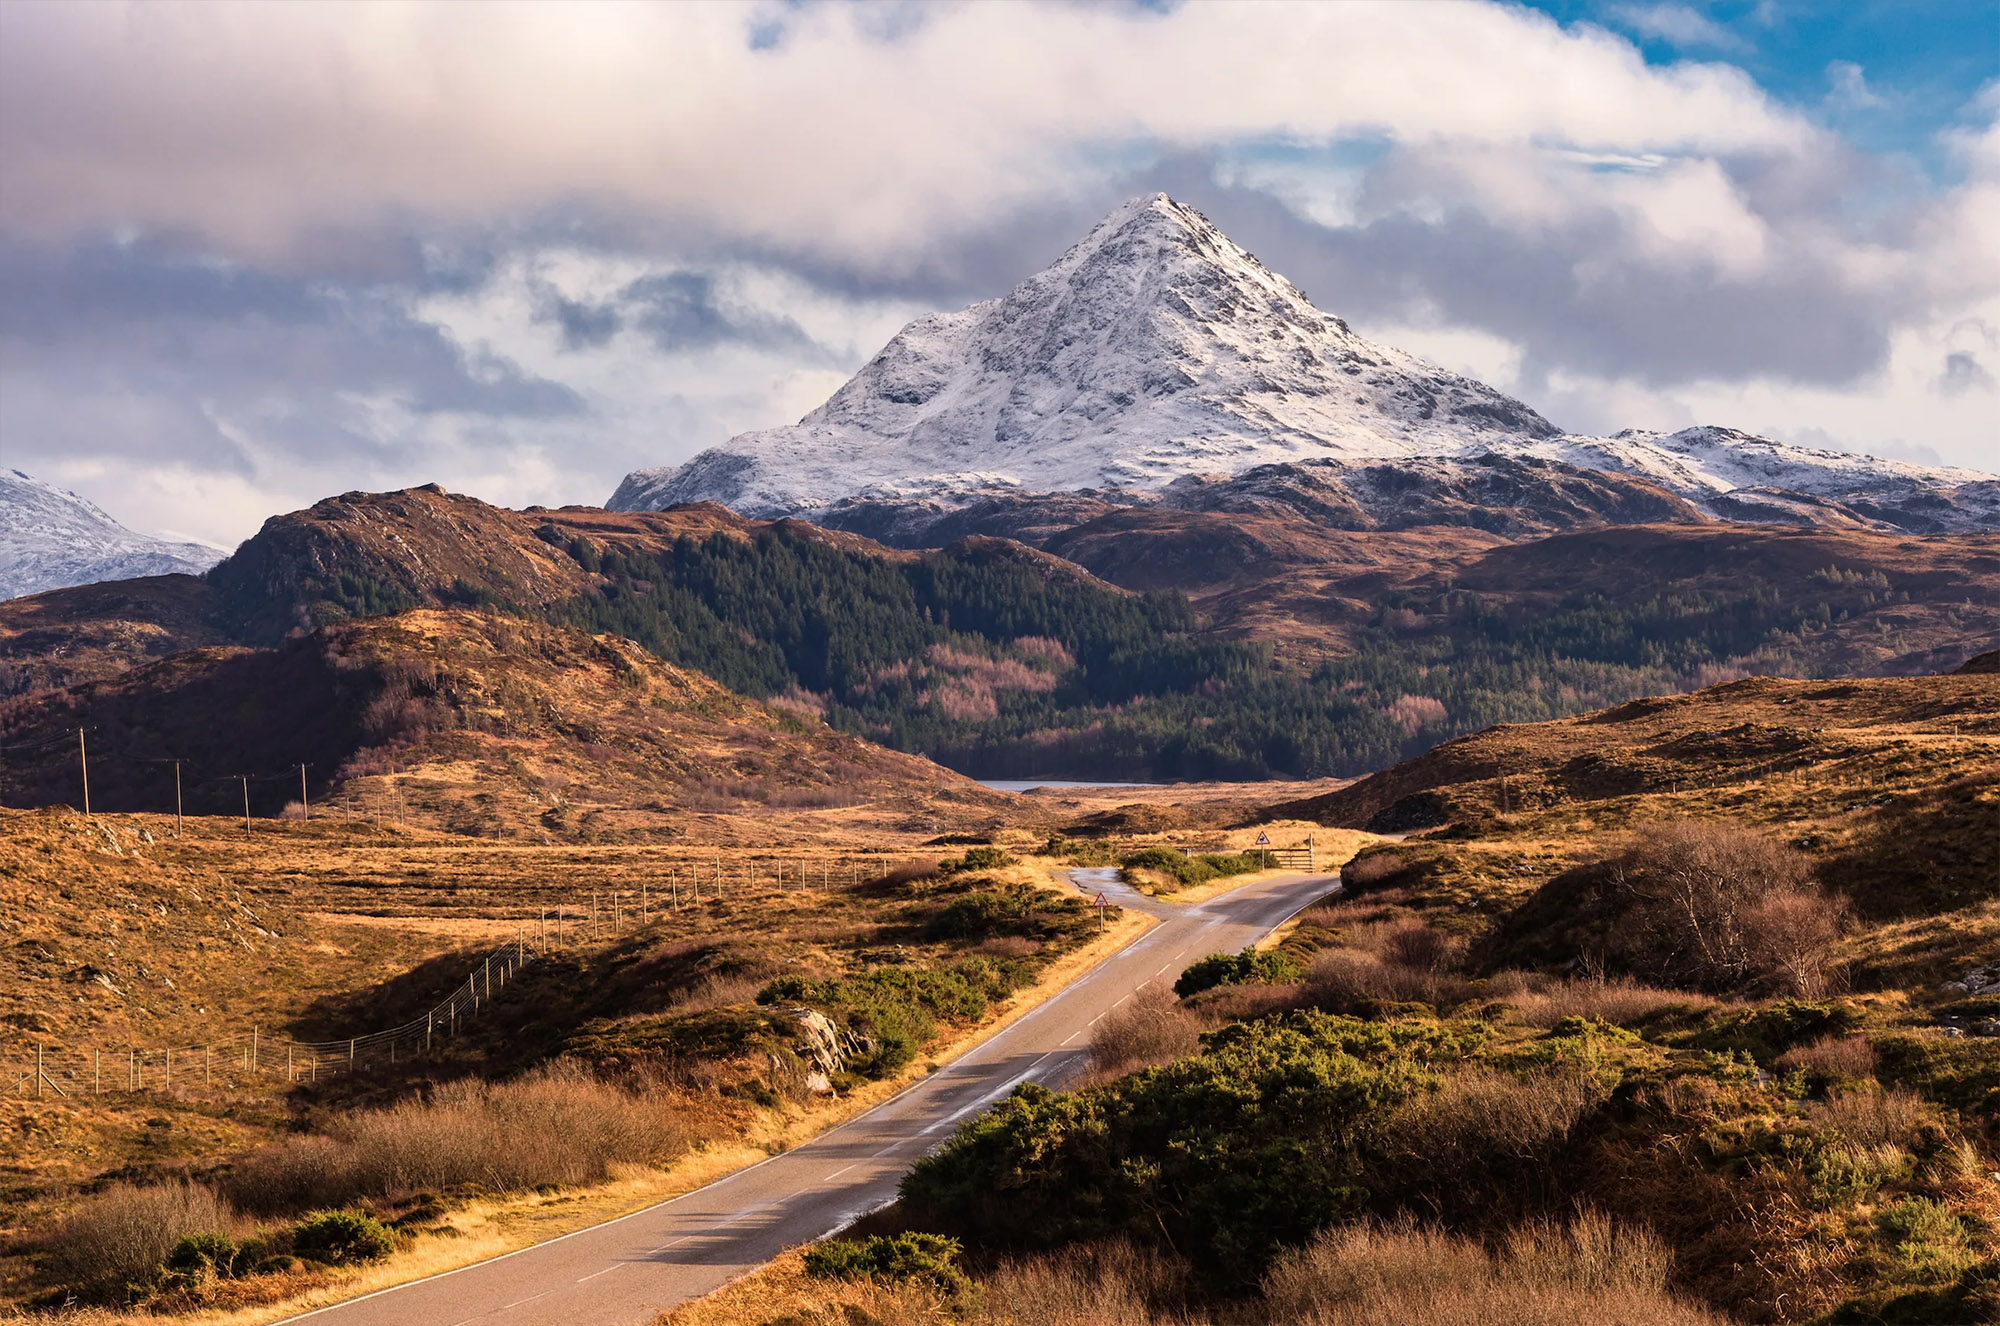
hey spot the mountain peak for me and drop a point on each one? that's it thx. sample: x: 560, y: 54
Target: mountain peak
x: 51, y: 538
x: 1155, y: 347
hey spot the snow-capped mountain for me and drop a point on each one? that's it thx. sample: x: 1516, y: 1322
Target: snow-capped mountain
x: 1157, y: 349
x: 50, y: 539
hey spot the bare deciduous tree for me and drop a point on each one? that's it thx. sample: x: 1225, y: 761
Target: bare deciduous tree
x: 1714, y: 905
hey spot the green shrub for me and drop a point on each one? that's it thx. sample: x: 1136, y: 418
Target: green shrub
x: 1012, y: 909
x: 341, y: 1238
x: 1186, y: 871
x: 1766, y: 1033
x: 1250, y: 967
x: 892, y: 1257
x: 1928, y: 1238
x: 198, y: 1251
x: 895, y: 1010
x: 1961, y: 1074
x: 1191, y: 1152
x: 975, y: 858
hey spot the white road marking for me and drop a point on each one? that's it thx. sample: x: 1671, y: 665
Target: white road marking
x: 606, y: 1271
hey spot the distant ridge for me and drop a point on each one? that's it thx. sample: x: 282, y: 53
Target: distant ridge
x: 51, y: 538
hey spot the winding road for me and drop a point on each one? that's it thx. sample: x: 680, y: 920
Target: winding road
x: 630, y: 1269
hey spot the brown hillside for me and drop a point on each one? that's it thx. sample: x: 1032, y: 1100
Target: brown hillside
x: 1858, y: 740
x: 70, y: 635
x: 474, y: 722
x: 1894, y: 783
x: 1895, y: 604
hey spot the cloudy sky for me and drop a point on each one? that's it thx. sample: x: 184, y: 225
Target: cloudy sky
x: 253, y: 254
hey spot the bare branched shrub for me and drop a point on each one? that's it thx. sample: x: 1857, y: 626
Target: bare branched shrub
x: 1544, y: 1275
x: 1832, y: 1056
x: 1413, y: 944
x: 1339, y: 977
x: 1108, y: 1284
x: 1790, y: 932
x: 558, y: 1125
x: 121, y: 1235
x: 1370, y: 869
x: 1872, y: 1117
x: 1152, y: 1028
x: 1715, y: 905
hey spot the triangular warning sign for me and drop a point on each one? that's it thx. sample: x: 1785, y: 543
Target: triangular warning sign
x: 1263, y: 840
x: 1100, y: 902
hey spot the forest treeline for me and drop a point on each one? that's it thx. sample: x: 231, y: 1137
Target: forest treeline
x: 987, y: 658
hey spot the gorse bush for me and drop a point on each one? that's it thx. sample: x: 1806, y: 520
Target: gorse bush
x: 1012, y: 909
x: 893, y: 1257
x: 342, y: 1238
x: 975, y: 858
x: 1189, y: 1150
x: 1251, y: 966
x: 1186, y: 871
x: 557, y: 1125
x: 196, y: 1252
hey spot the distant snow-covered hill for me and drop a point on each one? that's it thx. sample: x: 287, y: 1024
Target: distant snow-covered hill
x: 1157, y: 349
x: 51, y: 539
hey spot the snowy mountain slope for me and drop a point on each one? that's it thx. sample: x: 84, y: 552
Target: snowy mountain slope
x: 1741, y: 476
x: 50, y: 539
x: 1153, y: 348
x: 1157, y: 349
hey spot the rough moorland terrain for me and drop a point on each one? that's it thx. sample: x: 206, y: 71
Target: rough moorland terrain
x: 1697, y: 1020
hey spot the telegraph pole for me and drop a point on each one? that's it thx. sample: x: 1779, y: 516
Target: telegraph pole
x: 83, y: 762
x: 305, y: 807
x: 179, y: 824
x: 246, y: 804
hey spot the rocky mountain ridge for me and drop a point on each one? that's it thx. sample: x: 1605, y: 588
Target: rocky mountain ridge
x: 1157, y: 350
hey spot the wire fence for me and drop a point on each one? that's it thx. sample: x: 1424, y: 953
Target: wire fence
x: 257, y: 1060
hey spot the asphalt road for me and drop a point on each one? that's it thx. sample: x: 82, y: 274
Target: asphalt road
x: 630, y: 1269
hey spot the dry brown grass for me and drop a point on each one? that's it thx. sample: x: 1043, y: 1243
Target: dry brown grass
x: 716, y: 991
x: 1870, y: 1117
x: 1544, y: 1275
x: 121, y: 1235
x: 1621, y: 1002
x: 1479, y: 1139
x: 1107, y: 1284
x: 558, y: 1125
x: 1832, y: 1056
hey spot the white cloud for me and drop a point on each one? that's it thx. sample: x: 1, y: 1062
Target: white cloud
x: 1677, y: 24
x: 267, y: 126
x: 1847, y: 87
x: 431, y: 230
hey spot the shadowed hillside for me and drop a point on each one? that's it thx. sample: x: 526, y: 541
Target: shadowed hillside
x: 481, y: 723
